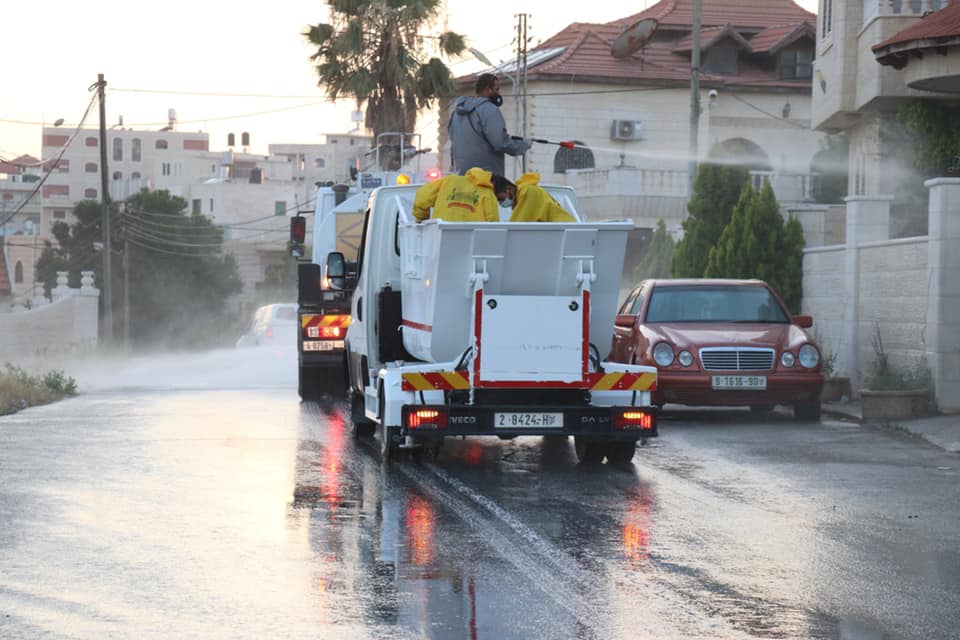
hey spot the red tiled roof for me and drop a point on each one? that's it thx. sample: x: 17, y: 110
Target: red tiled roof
x: 587, y: 57
x: 714, y: 13
x: 9, y: 168
x: 937, y: 25
x: 773, y: 38
x: 710, y: 37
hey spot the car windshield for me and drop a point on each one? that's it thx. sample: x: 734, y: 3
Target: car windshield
x: 287, y: 314
x: 714, y: 303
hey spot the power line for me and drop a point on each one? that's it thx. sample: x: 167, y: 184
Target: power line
x: 149, y: 247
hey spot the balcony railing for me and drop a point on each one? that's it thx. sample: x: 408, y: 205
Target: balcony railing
x: 884, y: 8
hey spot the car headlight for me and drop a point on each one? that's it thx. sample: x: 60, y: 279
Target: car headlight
x: 809, y: 356
x: 787, y: 359
x: 685, y: 358
x: 663, y: 354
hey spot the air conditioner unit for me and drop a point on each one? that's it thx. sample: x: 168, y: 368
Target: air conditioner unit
x: 626, y: 130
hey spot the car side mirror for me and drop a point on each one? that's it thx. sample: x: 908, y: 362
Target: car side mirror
x: 335, y: 271
x: 624, y: 320
x: 804, y: 322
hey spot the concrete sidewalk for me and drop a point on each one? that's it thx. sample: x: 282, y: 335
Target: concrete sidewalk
x: 942, y: 431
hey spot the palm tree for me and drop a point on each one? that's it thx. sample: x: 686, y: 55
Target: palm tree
x: 376, y: 52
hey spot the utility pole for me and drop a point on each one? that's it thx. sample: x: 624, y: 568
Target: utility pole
x: 105, y: 216
x: 126, y: 278
x: 694, y: 97
x: 521, y: 83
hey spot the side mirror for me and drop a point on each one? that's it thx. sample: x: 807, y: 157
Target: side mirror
x: 624, y: 320
x: 335, y: 272
x: 804, y: 322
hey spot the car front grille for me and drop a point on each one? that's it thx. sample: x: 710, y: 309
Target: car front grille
x: 743, y: 359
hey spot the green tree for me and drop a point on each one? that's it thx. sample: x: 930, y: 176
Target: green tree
x: 375, y: 52
x: 716, y: 190
x: 831, y: 166
x: 757, y: 244
x: 179, y: 279
x: 934, y: 129
x: 656, y: 261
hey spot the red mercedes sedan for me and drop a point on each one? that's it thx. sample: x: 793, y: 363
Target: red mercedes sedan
x: 720, y: 342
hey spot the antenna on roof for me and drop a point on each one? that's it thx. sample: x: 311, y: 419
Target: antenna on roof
x: 634, y: 37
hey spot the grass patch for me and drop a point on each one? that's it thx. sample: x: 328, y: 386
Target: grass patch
x: 19, y: 389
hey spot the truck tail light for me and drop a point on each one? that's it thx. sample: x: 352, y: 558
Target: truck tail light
x: 634, y: 419
x: 425, y: 418
x: 269, y: 332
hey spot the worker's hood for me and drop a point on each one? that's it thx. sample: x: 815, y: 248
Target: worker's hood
x: 467, y: 104
x: 528, y: 179
x: 480, y: 177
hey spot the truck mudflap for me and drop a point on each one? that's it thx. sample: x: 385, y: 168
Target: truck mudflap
x: 618, y: 423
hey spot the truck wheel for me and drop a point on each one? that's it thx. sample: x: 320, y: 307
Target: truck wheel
x: 307, y: 384
x: 388, y: 450
x: 588, y: 451
x: 363, y: 427
x: 621, y: 452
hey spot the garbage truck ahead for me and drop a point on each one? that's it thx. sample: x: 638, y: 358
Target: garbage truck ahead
x: 491, y: 329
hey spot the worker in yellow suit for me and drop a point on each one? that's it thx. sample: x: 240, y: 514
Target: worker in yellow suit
x: 455, y: 198
x: 533, y: 204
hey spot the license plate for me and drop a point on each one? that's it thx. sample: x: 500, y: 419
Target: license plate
x: 322, y: 345
x: 739, y: 382
x: 527, y: 419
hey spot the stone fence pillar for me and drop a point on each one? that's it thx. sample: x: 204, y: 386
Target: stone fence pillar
x: 943, y: 297
x: 868, y: 220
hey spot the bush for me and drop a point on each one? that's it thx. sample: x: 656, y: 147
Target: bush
x: 885, y: 376
x: 19, y: 389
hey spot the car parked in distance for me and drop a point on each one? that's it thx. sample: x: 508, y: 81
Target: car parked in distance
x: 272, y: 325
x: 721, y: 342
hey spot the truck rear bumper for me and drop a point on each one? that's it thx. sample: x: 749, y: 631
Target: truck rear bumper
x: 606, y: 423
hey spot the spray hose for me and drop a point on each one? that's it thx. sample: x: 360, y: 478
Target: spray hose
x: 566, y: 144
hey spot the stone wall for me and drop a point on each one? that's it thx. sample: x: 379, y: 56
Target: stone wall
x: 67, y: 323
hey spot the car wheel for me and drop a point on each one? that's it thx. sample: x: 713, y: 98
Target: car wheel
x: 621, y: 452
x: 761, y: 410
x: 807, y: 411
x: 588, y: 451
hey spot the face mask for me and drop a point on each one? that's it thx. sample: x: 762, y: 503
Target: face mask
x: 496, y: 99
x: 507, y: 202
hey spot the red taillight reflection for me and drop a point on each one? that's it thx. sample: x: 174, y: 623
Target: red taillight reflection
x: 634, y: 420
x: 426, y: 419
x: 269, y: 332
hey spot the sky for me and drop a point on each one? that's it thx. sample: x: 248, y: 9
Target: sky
x: 243, y: 69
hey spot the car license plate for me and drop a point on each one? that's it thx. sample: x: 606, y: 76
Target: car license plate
x: 527, y: 419
x: 322, y: 345
x: 739, y: 382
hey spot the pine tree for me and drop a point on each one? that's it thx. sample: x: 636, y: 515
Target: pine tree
x: 757, y: 244
x: 656, y: 261
x: 716, y: 191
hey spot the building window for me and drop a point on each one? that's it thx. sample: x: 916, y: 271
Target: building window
x: 280, y: 208
x: 135, y: 150
x: 796, y: 64
x: 117, y: 175
x: 319, y: 163
x: 211, y: 205
x: 18, y: 272
x: 722, y: 60
x: 117, y: 149
x: 90, y: 167
x: 244, y: 139
x: 32, y: 225
x: 577, y: 158
x: 165, y: 169
x: 826, y: 18
x: 135, y: 175
x: 196, y: 207
x: 8, y: 196
x: 91, y: 141
x: 63, y: 166
x: 161, y: 144
x: 59, y: 214
x: 90, y: 194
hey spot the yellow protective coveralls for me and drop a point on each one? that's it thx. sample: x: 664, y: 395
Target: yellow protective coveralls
x: 456, y: 198
x: 534, y: 204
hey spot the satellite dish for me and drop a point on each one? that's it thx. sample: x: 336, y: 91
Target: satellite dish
x: 634, y: 37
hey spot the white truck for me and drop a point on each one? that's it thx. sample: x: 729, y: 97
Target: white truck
x: 491, y: 329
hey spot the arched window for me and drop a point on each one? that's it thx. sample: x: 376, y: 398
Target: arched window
x: 244, y: 139
x: 161, y: 144
x: 18, y: 272
x: 135, y: 149
x: 319, y: 163
x: 135, y: 175
x: 117, y: 149
x: 117, y: 175
x: 90, y: 194
x: 580, y: 157
x: 742, y: 152
x: 90, y: 167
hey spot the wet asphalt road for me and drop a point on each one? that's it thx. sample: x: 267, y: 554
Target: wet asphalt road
x: 196, y: 497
